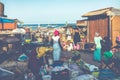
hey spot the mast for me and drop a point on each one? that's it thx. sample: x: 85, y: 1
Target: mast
x: 66, y: 24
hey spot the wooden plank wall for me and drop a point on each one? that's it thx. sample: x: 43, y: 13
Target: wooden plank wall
x: 115, y: 30
x: 97, y: 24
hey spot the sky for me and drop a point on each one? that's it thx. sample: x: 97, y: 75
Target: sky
x: 53, y: 11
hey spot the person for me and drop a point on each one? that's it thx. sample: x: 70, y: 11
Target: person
x: 97, y: 51
x: 106, y: 52
x: 68, y: 31
x: 107, y: 61
x: 68, y: 34
x: 76, y: 39
x: 34, y: 64
x: 56, y: 46
x: 116, y: 59
x: 106, y: 44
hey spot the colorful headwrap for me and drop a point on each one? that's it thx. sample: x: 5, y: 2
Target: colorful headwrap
x: 56, y: 32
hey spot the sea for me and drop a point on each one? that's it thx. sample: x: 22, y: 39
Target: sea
x: 35, y: 26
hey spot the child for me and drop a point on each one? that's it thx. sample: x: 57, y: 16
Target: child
x: 69, y: 46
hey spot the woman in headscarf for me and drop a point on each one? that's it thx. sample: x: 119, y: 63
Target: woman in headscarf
x: 97, y: 52
x: 56, y: 46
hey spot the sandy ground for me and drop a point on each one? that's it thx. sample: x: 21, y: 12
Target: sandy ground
x: 88, y: 57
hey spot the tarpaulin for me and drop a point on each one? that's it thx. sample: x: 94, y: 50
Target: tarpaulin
x: 3, y: 20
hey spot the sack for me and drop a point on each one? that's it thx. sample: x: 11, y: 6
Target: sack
x: 118, y: 38
x: 106, y: 74
x: 107, y: 55
x: 6, y: 75
x: 76, y: 47
x: 28, y: 40
x: 91, y: 68
x: 95, y: 73
x: 117, y: 55
x: 86, y: 77
x: 57, y: 63
x: 75, y: 70
x: 60, y: 75
x: 46, y: 77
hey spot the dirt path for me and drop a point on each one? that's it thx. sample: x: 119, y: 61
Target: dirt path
x: 88, y: 57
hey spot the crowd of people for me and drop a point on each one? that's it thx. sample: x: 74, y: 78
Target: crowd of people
x: 52, y: 44
x: 69, y: 40
x: 105, y: 54
x: 59, y: 40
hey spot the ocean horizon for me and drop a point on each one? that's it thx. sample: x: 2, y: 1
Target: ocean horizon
x: 35, y: 26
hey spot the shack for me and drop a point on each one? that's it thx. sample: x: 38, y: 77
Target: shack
x: 105, y: 21
x: 7, y: 24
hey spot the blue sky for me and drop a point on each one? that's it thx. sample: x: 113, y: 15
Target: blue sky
x: 53, y: 11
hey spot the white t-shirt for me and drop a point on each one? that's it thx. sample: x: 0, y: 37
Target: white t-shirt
x: 55, y: 38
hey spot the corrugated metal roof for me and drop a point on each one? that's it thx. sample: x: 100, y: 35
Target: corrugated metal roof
x: 81, y: 23
x: 108, y: 11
